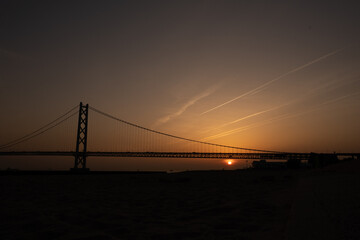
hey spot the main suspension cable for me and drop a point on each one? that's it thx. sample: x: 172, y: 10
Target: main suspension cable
x: 41, y: 130
x: 177, y: 137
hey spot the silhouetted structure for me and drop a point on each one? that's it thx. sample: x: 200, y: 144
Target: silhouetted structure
x: 293, y: 160
x: 81, y: 139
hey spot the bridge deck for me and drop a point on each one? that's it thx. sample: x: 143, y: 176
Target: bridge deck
x: 270, y: 156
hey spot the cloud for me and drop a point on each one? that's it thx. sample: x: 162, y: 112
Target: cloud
x: 263, y: 86
x: 185, y: 106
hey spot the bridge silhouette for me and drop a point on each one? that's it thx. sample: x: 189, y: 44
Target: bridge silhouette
x: 139, y: 141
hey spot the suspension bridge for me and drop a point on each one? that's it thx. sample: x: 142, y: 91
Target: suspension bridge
x: 132, y: 140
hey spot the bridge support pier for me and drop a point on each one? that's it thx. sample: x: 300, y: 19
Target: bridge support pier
x: 81, y: 140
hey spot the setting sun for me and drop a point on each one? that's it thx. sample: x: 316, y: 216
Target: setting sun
x: 229, y: 162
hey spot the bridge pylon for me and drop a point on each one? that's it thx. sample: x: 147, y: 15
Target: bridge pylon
x: 81, y: 139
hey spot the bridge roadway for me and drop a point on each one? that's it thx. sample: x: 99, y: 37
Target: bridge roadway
x: 268, y: 156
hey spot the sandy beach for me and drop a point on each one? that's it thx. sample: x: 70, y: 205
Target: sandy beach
x: 244, y: 204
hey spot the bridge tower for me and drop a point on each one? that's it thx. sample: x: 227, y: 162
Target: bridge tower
x: 81, y: 139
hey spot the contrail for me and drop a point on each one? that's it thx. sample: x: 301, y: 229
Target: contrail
x: 248, y: 116
x: 337, y: 99
x: 254, y: 114
x: 244, y: 128
x: 223, y: 134
x: 313, y: 92
x: 261, y: 87
x: 281, y: 117
x: 184, y: 107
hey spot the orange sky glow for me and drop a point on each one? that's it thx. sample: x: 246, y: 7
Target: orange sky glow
x: 280, y: 76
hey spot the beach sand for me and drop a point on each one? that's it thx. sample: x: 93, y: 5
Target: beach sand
x: 244, y: 204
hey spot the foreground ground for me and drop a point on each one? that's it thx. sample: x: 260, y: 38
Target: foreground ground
x: 247, y: 204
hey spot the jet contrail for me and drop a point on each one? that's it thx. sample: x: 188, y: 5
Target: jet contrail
x: 223, y: 134
x: 244, y: 128
x: 248, y: 116
x: 281, y: 117
x: 261, y: 87
x: 255, y: 114
x: 313, y: 92
x: 189, y: 103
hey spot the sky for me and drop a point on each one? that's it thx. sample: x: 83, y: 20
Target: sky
x: 278, y: 75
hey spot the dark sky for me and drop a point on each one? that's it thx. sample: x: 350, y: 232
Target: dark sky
x: 282, y: 75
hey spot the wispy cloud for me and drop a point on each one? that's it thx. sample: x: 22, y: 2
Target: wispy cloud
x: 185, y: 106
x: 263, y: 86
x: 278, y: 118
